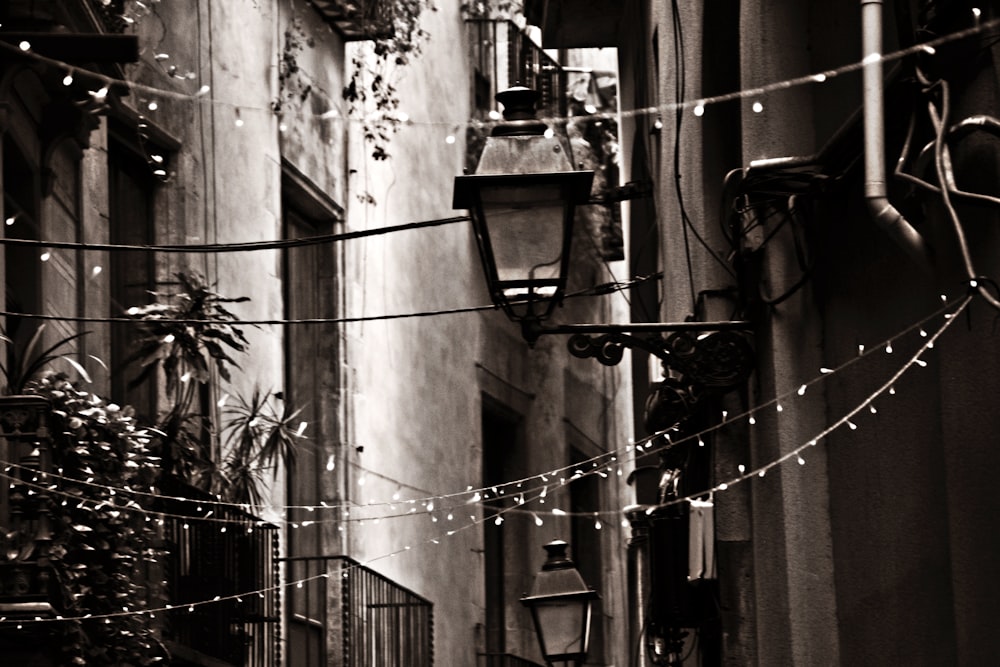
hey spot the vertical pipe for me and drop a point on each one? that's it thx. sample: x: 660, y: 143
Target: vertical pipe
x: 885, y: 214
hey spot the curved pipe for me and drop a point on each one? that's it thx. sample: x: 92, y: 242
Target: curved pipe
x: 885, y: 214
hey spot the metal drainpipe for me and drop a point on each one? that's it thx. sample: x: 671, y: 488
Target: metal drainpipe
x: 885, y: 214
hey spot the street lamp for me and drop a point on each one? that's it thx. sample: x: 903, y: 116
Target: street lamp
x: 522, y: 200
x: 561, y: 606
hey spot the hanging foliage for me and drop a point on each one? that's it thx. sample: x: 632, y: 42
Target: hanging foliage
x: 102, y: 546
x: 376, y: 66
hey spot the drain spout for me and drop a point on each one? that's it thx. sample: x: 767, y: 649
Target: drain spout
x: 884, y: 213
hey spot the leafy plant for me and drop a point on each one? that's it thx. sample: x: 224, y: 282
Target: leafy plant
x: 185, y: 337
x: 102, y: 540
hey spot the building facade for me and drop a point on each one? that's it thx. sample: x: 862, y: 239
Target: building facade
x: 203, y: 213
x: 824, y: 172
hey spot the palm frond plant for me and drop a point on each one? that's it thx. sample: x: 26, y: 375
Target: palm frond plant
x: 257, y: 439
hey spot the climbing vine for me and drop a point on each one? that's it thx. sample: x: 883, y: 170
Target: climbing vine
x: 371, y: 90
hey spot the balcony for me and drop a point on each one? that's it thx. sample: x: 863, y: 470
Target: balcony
x: 357, y: 20
x: 503, y: 55
x: 576, y: 24
x: 28, y: 585
x: 503, y: 660
x: 369, y: 619
x: 204, y: 562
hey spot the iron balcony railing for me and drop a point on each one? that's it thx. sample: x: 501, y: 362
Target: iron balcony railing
x: 370, y: 619
x: 503, y: 660
x: 502, y: 56
x: 231, y: 555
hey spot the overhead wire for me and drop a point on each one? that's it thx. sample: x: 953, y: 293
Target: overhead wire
x: 596, y: 290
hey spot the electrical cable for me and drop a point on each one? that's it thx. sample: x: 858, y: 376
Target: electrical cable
x: 945, y: 176
x: 596, y: 290
x: 687, y: 223
x: 234, y: 247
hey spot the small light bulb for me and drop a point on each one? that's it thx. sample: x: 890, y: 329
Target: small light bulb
x: 25, y: 45
x: 802, y: 390
x: 549, y: 133
x: 752, y: 420
x: 757, y: 107
x: 450, y: 139
x: 46, y: 256
x: 699, y: 110
x: 68, y: 80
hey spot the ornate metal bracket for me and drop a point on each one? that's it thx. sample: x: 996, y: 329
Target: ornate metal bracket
x: 699, y: 359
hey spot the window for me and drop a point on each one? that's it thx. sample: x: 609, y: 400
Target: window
x: 506, y: 572
x: 501, y: 436
x: 131, y: 188
x: 310, y: 356
x: 42, y: 193
x: 585, y: 544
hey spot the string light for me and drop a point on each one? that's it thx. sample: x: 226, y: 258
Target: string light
x: 821, y: 77
x: 498, y: 489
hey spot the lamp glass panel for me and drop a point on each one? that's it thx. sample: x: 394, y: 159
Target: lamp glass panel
x: 564, y: 625
x: 526, y: 231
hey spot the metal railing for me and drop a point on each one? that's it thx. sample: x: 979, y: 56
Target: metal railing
x: 372, y: 620
x: 230, y: 554
x: 502, y: 56
x: 503, y: 660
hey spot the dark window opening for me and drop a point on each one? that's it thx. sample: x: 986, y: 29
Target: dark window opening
x: 585, y: 505
x: 132, y: 276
